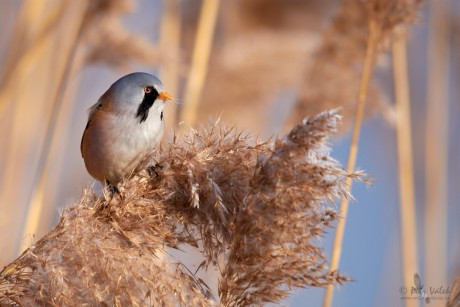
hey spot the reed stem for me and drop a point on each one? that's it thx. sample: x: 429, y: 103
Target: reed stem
x: 405, y: 163
x: 26, y: 62
x: 170, y: 36
x: 353, y: 152
x: 23, y: 54
x: 436, y: 142
x: 200, y: 59
x: 36, y: 202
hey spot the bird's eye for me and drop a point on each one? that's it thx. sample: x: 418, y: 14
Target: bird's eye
x: 147, y: 89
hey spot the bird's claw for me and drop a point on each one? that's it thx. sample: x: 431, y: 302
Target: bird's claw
x: 112, y: 189
x: 153, y: 170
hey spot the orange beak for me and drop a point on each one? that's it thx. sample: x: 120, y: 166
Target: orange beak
x: 165, y: 96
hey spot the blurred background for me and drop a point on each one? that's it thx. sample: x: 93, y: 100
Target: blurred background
x: 261, y: 65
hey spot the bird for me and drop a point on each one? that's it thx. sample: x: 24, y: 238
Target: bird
x: 123, y: 124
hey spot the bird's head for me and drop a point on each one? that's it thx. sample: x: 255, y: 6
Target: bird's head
x: 135, y: 94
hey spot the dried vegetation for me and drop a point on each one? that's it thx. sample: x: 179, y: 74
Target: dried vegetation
x: 261, y: 207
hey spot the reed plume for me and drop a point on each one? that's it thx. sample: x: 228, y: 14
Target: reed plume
x: 334, y: 78
x: 274, y: 246
x: 342, y: 49
x: 260, y: 206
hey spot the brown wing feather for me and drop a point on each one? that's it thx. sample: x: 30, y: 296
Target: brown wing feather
x: 83, y: 137
x: 102, y: 104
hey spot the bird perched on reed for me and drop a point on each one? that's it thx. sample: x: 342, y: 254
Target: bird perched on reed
x: 126, y: 121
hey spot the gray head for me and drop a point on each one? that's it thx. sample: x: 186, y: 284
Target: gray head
x: 135, y: 94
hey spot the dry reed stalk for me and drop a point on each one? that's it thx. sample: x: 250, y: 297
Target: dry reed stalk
x: 24, y: 123
x: 200, y: 59
x: 59, y: 145
x: 261, y: 207
x: 405, y: 163
x: 26, y: 50
x: 29, y: 44
x: 436, y: 145
x: 23, y: 136
x: 384, y: 16
x: 30, y: 12
x: 170, y: 46
x: 63, y: 68
x: 353, y: 152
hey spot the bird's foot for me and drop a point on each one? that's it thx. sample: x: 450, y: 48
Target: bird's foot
x: 112, y: 189
x: 153, y: 170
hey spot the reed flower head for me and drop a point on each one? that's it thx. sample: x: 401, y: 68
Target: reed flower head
x: 258, y: 207
x: 334, y: 78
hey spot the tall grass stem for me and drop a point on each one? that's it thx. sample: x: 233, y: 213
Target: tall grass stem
x: 36, y: 203
x: 200, y: 59
x: 405, y: 163
x: 170, y: 36
x: 436, y: 142
x: 353, y: 152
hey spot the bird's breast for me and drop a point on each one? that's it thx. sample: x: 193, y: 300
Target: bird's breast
x: 118, y: 143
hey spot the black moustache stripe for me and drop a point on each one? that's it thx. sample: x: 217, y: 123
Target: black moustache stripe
x: 146, y: 104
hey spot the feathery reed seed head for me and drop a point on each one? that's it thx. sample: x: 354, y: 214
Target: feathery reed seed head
x: 262, y: 208
x: 342, y: 50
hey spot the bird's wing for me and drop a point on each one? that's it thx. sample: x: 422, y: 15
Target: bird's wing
x: 83, y: 137
x: 94, y: 108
